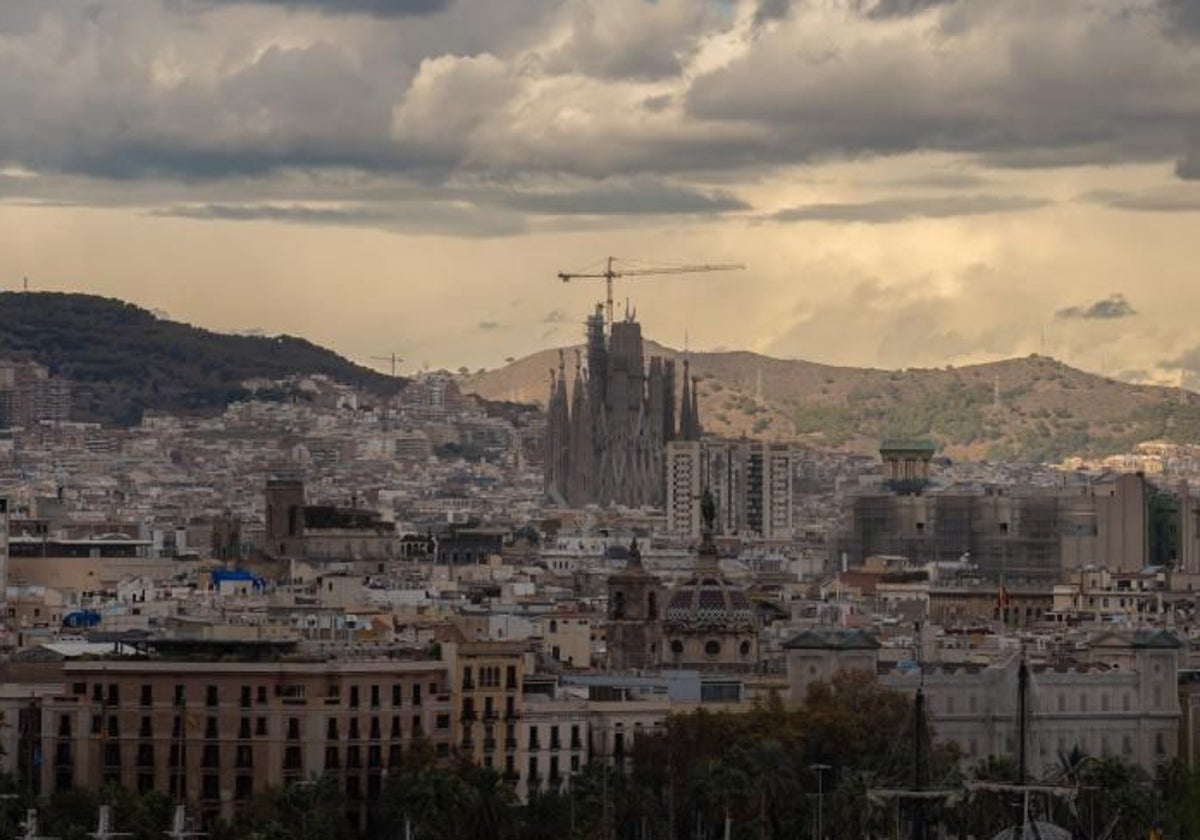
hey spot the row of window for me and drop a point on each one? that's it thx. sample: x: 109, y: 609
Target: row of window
x: 489, y: 677
x: 109, y: 727
x: 110, y: 695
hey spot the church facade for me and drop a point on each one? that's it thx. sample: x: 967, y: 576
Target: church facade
x: 606, y: 439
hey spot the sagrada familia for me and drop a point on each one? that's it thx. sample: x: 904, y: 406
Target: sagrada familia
x: 606, y: 443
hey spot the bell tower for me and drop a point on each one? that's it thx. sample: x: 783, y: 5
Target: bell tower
x: 634, y: 616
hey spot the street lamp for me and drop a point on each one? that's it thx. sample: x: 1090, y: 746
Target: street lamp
x: 820, y: 771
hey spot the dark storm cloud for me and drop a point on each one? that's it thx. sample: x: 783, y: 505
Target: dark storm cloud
x: 630, y: 199
x: 1160, y: 201
x: 1112, y: 307
x: 1181, y: 17
x: 532, y: 93
x: 379, y: 8
x: 1188, y: 360
x: 769, y: 10
x: 883, y: 9
x: 450, y: 218
x: 888, y: 210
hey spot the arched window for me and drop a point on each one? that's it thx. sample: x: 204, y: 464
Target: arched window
x: 618, y: 606
x: 652, y: 606
x: 553, y: 626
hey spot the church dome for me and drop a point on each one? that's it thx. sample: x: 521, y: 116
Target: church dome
x: 708, y: 600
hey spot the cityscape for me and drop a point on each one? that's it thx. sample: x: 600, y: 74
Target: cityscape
x: 350, y: 487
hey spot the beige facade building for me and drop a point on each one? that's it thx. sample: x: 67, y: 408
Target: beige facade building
x: 219, y: 733
x: 486, y: 681
x: 1117, y: 698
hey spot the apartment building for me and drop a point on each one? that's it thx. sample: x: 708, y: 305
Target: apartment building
x: 219, y: 733
x: 486, y: 680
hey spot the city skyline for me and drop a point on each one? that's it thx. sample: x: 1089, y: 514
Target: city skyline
x: 910, y: 183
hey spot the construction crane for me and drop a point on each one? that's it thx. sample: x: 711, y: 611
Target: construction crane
x: 390, y: 357
x: 615, y: 267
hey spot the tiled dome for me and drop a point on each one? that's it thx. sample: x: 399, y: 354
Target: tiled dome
x: 709, y: 601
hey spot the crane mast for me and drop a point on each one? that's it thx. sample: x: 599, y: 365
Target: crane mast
x: 613, y: 270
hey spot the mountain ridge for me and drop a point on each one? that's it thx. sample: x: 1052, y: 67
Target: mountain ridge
x: 1029, y: 408
x: 123, y: 360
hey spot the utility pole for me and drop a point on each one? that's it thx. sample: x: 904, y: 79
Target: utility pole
x: 820, y: 770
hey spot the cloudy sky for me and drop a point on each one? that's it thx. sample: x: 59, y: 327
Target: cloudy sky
x: 910, y: 182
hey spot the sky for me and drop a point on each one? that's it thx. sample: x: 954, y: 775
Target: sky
x: 910, y: 183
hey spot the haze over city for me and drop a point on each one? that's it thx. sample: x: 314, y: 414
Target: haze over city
x: 911, y: 183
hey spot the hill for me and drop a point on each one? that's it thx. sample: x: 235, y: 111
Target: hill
x: 123, y: 360
x: 1045, y: 410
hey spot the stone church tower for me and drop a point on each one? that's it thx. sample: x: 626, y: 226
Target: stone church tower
x: 634, y: 623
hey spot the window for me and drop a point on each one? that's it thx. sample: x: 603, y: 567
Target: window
x: 331, y: 729
x: 374, y: 697
x: 210, y: 787
x: 677, y: 647
x: 210, y: 728
x: 260, y: 726
x: 243, y: 788
x: 511, y: 677
x: 262, y: 694
x: 244, y: 729
x: 211, y: 695
x: 244, y: 701
x: 374, y: 733
x: 354, y: 733
x: 353, y: 697
x: 293, y: 729
x: 396, y: 694
x: 712, y: 648
x: 416, y: 694
x: 146, y: 730
x: 442, y: 722
x: 147, y: 698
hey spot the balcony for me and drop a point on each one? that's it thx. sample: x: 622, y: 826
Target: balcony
x: 510, y: 745
x: 467, y: 744
x: 490, y: 715
x: 489, y: 744
x: 534, y: 746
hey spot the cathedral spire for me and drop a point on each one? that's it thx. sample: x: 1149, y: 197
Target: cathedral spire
x: 685, y: 404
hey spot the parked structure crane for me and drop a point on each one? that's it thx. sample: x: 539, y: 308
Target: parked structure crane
x: 391, y: 357
x: 615, y: 267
